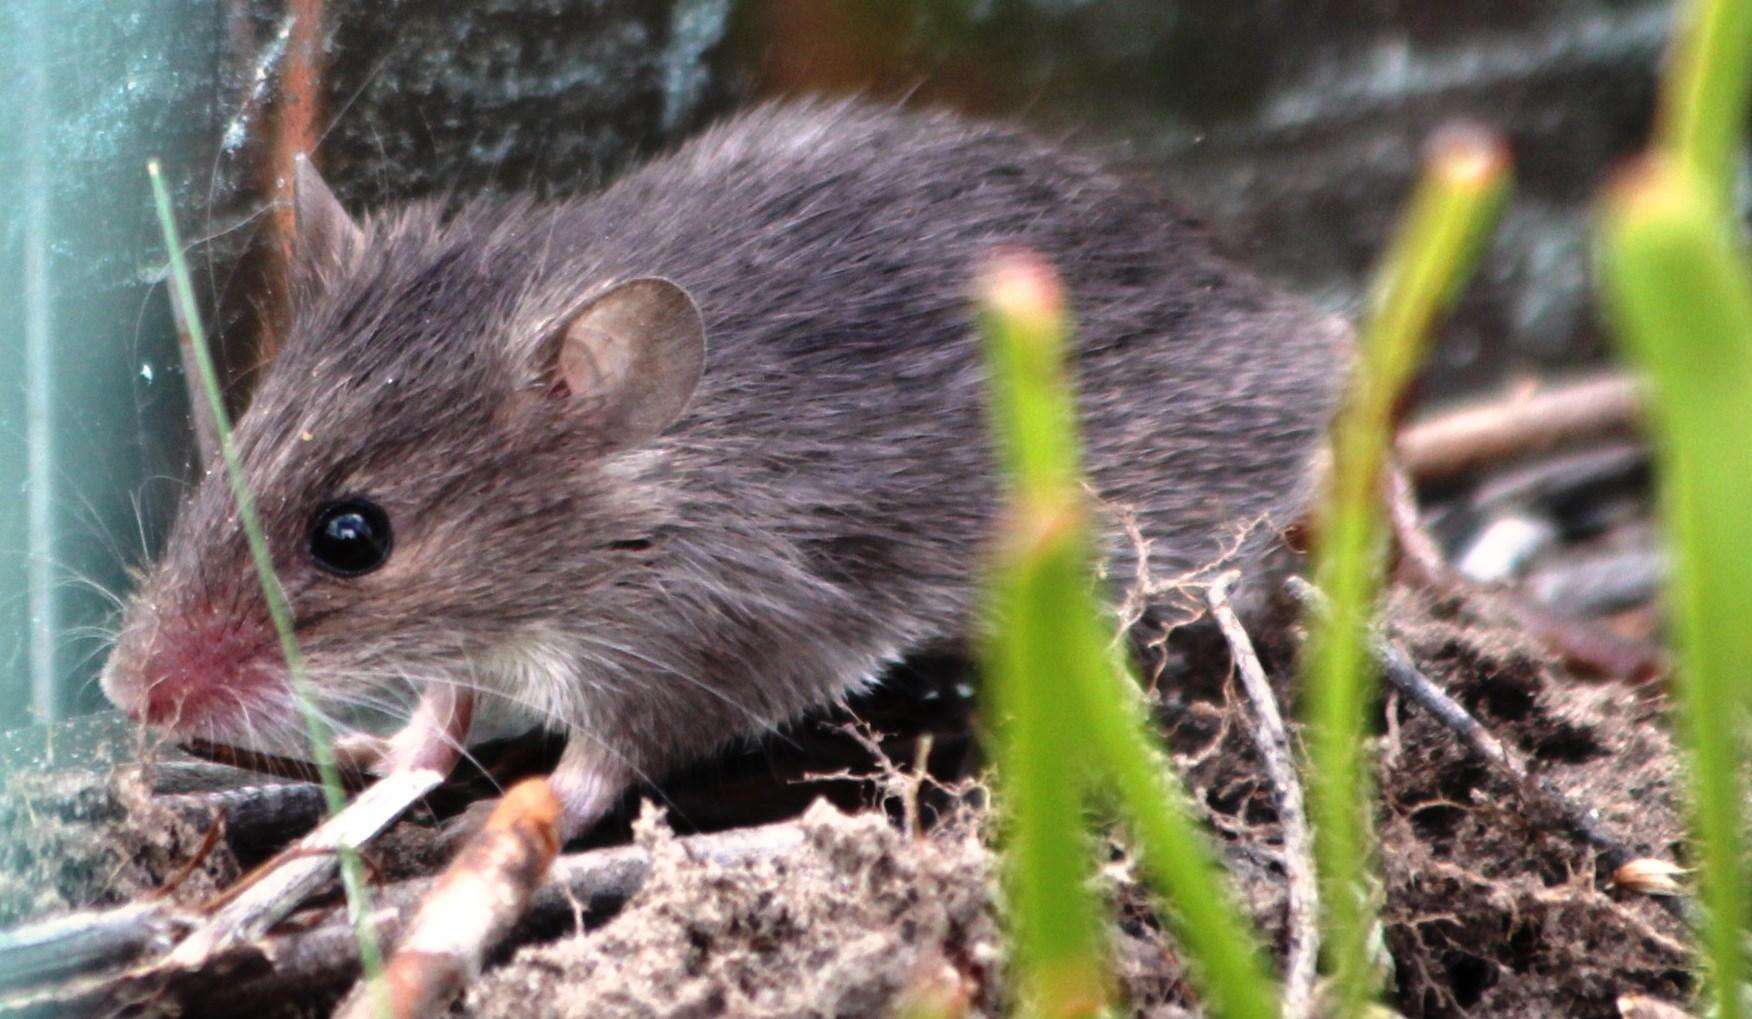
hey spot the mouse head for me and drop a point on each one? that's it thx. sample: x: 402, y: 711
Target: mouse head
x: 456, y: 443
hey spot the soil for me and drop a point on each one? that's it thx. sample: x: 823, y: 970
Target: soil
x: 847, y: 926
x: 75, y: 837
x: 1487, y: 911
x: 1489, y: 908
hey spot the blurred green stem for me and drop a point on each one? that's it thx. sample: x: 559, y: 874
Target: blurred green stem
x: 1679, y: 291
x: 1704, y: 94
x: 1070, y: 711
x: 1037, y: 587
x: 1451, y: 211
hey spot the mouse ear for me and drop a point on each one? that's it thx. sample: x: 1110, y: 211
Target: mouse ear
x: 633, y: 356
x: 326, y: 236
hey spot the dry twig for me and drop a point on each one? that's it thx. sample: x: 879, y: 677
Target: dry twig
x: 600, y: 879
x: 477, y: 899
x: 1599, y: 468
x: 70, y: 946
x: 1499, y: 429
x: 285, y: 881
x: 1273, y: 740
x: 1580, y: 642
x: 1601, y: 584
x: 1418, y: 549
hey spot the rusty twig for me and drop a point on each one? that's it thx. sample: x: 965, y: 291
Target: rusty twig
x: 1459, y: 440
x: 477, y: 899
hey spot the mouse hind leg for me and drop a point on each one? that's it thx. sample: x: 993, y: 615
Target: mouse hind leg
x: 588, y: 782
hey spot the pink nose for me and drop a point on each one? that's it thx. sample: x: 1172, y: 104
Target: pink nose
x: 188, y: 672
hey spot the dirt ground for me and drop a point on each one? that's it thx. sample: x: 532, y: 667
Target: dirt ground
x: 1489, y: 908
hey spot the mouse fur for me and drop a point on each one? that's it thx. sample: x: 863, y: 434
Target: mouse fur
x: 819, y: 506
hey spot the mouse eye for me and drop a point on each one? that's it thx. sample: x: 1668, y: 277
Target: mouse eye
x: 350, y: 537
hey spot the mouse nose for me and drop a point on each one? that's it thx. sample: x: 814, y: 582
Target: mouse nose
x: 185, y: 672
x: 122, y: 693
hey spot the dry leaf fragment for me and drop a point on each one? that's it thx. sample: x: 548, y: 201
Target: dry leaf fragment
x: 1648, y: 876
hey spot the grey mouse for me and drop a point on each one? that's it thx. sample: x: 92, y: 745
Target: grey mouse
x: 664, y: 467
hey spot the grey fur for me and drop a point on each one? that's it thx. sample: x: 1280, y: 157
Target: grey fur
x: 819, y: 509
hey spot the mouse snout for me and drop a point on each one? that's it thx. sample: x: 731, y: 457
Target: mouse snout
x: 183, y: 674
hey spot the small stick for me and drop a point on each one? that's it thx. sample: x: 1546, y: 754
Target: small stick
x: 286, y: 880
x: 477, y: 899
x: 1601, y: 584
x: 1457, y: 441
x: 61, y: 958
x: 1302, y: 898
x: 1403, y: 675
x: 352, y: 778
x: 256, y: 817
x: 1419, y: 549
x: 78, y: 944
x: 1619, y: 464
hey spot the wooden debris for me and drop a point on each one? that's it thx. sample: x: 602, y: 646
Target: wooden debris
x: 1602, y: 584
x: 1417, y: 549
x: 82, y: 943
x: 1500, y: 429
x: 215, y: 831
x: 285, y: 881
x: 483, y: 892
x: 1571, y: 477
x: 272, y: 764
x: 588, y: 885
x: 258, y: 818
x: 1580, y: 642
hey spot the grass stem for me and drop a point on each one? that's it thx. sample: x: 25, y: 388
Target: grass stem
x: 1678, y: 289
x: 321, y: 746
x: 1070, y: 713
x: 1704, y: 94
x: 1451, y: 210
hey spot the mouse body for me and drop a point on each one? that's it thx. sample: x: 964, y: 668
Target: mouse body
x: 666, y: 466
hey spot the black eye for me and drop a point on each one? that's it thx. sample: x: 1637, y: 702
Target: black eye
x: 350, y: 537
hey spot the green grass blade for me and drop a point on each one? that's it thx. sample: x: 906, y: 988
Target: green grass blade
x: 1227, y: 959
x: 322, y: 750
x: 1035, y: 589
x: 1450, y: 213
x: 1074, y: 715
x: 1704, y: 94
x: 1679, y: 292
x: 1059, y: 943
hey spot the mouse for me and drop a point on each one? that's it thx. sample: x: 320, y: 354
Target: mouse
x: 666, y: 466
